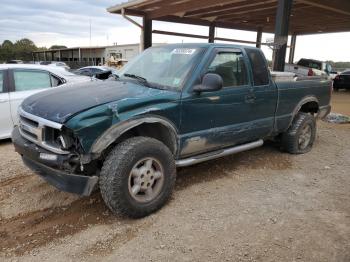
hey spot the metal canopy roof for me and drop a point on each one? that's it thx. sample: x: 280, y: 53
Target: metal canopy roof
x: 308, y: 16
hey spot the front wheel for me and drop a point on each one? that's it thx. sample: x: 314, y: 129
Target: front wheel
x: 300, y: 136
x: 137, y: 177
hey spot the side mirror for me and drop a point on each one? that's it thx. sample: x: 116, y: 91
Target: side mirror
x: 210, y: 83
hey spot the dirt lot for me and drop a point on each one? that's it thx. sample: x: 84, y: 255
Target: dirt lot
x: 261, y: 205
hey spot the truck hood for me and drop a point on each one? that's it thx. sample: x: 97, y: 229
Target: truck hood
x: 62, y: 103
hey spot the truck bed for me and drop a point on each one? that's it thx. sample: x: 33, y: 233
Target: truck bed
x: 293, y: 93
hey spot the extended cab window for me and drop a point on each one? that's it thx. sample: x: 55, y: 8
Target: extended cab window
x: 259, y: 67
x: 230, y: 66
x: 26, y: 80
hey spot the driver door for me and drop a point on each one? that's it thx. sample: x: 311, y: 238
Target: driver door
x: 218, y: 119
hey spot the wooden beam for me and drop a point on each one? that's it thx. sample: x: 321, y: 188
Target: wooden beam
x: 337, y: 6
x: 243, y: 12
x: 133, y: 12
x: 241, y: 8
x: 117, y: 8
x: 161, y: 32
x: 184, y: 20
x: 265, y: 18
x: 173, y: 7
x: 221, y: 24
x: 258, y: 11
x: 301, y: 30
x: 149, y: 4
x: 228, y: 7
x: 235, y: 40
x: 303, y: 17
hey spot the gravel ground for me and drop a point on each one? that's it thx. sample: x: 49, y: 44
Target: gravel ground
x: 261, y: 205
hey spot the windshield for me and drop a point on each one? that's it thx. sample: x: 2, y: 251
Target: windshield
x: 165, y: 66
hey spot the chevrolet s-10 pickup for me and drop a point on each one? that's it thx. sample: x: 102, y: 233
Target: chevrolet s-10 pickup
x: 172, y: 106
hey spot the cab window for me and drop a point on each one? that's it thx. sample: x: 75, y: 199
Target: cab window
x: 231, y: 67
x: 259, y: 67
x: 26, y: 80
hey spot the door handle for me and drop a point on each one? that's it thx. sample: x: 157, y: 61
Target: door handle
x: 3, y: 100
x: 250, y: 98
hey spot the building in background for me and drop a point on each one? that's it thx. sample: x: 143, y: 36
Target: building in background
x: 82, y: 56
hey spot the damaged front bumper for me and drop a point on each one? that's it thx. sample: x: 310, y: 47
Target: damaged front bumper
x: 48, y: 168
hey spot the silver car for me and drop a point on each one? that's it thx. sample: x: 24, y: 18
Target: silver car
x: 18, y: 81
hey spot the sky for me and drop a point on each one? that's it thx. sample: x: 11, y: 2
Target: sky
x: 67, y: 22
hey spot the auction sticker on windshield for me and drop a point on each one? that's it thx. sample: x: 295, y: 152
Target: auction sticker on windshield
x: 184, y: 51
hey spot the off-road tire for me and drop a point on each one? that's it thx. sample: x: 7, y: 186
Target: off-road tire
x: 114, y: 177
x: 290, y: 139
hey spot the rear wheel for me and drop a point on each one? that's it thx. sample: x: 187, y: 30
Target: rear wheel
x: 300, y: 137
x: 137, y: 177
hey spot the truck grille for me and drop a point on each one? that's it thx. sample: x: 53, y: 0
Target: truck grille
x: 40, y: 131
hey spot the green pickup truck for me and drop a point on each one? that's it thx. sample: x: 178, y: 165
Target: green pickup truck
x: 172, y: 106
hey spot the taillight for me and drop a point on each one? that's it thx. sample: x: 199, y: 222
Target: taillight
x: 337, y: 77
x: 310, y: 73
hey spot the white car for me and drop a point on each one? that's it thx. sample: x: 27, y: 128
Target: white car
x: 55, y: 63
x: 18, y: 81
x: 309, y: 67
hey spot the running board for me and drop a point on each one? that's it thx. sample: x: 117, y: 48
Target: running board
x: 216, y: 154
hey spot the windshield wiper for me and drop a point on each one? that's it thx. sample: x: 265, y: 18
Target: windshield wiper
x: 140, y: 78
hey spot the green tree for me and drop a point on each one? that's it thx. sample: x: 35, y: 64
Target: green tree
x: 23, y: 49
x: 6, y: 51
x: 58, y: 47
x: 339, y: 66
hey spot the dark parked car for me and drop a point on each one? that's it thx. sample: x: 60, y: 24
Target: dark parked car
x: 342, y: 81
x: 100, y: 72
x: 172, y: 106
